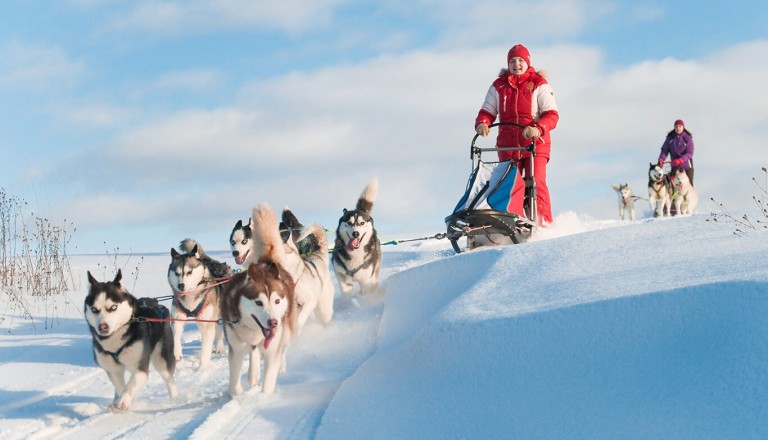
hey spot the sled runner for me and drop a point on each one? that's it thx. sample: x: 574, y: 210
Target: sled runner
x: 484, y: 213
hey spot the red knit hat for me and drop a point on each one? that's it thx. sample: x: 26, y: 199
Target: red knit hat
x: 679, y: 122
x: 518, y: 50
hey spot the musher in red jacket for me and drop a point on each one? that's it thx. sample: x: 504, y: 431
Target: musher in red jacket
x: 523, y: 96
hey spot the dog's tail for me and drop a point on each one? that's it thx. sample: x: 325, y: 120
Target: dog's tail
x: 368, y: 196
x: 188, y: 245
x: 266, y: 234
x: 318, y: 240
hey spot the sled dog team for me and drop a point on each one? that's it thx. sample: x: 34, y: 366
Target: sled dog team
x: 665, y: 192
x: 286, y: 277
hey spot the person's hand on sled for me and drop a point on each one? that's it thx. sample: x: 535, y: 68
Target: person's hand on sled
x: 531, y: 132
x: 677, y: 162
x: 482, y: 129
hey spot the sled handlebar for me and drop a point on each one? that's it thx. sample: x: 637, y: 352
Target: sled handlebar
x: 476, y: 151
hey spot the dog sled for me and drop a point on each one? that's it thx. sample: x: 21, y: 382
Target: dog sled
x: 483, y: 215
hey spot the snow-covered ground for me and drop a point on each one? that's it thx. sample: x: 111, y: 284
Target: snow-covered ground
x: 595, y: 330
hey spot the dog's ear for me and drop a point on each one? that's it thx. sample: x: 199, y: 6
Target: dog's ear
x: 174, y: 253
x: 118, y: 278
x: 239, y: 224
x: 252, y: 271
x: 91, y: 279
x: 274, y: 270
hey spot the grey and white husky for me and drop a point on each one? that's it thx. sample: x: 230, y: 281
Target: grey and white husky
x: 196, y: 279
x: 659, y: 191
x: 259, y: 310
x: 125, y: 341
x: 626, y: 200
x: 357, y: 249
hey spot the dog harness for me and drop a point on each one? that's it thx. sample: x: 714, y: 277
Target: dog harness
x: 114, y: 354
x: 193, y: 313
x: 353, y: 272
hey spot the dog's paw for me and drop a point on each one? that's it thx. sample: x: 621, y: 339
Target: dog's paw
x: 235, y: 392
x: 119, y: 407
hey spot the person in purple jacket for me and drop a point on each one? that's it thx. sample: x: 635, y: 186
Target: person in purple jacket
x: 679, y: 146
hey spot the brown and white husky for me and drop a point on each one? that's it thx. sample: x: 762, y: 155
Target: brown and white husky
x: 259, y: 311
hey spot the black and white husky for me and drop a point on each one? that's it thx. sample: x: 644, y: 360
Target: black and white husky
x: 259, y: 310
x: 196, y: 279
x: 240, y: 243
x: 125, y: 340
x: 659, y: 191
x: 357, y: 250
x: 241, y: 238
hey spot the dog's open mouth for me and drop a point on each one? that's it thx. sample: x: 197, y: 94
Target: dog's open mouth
x: 354, y: 243
x: 240, y: 259
x: 268, y: 332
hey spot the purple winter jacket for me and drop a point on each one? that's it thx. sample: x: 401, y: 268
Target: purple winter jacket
x: 678, y: 146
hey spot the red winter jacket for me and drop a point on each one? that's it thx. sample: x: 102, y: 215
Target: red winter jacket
x: 525, y: 99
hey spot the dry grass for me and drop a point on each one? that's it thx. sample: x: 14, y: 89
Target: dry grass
x: 746, y: 224
x: 34, y: 265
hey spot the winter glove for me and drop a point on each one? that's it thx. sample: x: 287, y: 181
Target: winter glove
x: 482, y: 129
x: 531, y: 132
x: 677, y: 162
x: 661, y: 162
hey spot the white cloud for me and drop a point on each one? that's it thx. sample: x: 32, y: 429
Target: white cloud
x: 37, y: 66
x: 647, y: 12
x: 470, y: 24
x: 193, y: 16
x: 192, y: 81
x: 96, y: 115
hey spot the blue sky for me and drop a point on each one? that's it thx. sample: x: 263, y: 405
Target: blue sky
x: 144, y: 122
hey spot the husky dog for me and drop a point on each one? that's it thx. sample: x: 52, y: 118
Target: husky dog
x: 259, y: 310
x: 241, y: 238
x: 240, y: 243
x: 193, y: 277
x: 626, y: 200
x: 291, y: 227
x: 124, y: 340
x: 311, y: 271
x: 357, y: 250
x: 659, y: 191
x: 686, y: 198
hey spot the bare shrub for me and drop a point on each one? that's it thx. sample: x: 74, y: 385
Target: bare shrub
x: 34, y: 264
x: 745, y: 224
x: 108, y: 270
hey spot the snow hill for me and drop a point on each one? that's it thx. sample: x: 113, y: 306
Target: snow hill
x: 595, y: 330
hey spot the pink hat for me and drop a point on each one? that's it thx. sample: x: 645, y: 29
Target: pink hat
x: 518, y: 50
x: 679, y: 122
